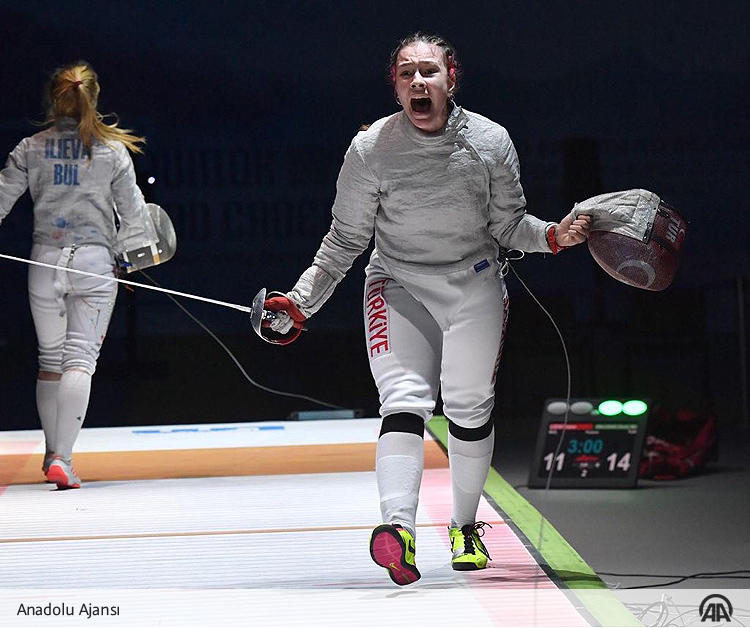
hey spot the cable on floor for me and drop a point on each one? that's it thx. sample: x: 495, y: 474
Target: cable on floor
x: 273, y: 391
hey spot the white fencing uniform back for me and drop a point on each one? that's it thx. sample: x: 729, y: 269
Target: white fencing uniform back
x: 76, y: 192
x: 79, y: 194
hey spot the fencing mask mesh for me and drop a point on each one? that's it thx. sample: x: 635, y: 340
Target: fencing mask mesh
x: 635, y: 237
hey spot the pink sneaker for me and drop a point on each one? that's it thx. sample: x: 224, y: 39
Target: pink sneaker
x: 61, y: 472
x: 392, y: 547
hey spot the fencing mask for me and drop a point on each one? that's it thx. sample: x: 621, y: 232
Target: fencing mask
x: 158, y: 227
x: 635, y: 237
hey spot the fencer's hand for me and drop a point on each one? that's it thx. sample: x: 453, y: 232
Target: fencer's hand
x: 287, y: 314
x: 572, y: 230
x: 281, y: 324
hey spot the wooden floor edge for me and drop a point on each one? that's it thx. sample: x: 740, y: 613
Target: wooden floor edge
x: 230, y: 461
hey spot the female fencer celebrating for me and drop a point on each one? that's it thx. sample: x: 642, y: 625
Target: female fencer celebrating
x: 439, y: 188
x: 79, y: 172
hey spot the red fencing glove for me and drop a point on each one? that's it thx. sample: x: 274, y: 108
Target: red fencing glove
x: 286, y: 320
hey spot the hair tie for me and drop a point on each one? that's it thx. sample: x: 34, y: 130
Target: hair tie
x: 77, y: 83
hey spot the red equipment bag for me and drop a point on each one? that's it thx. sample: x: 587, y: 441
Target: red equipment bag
x: 679, y: 444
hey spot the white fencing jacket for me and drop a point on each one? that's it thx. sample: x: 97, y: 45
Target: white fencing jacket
x: 436, y: 203
x: 75, y: 196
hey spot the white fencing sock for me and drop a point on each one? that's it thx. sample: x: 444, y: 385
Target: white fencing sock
x: 470, y: 463
x: 46, y: 406
x: 399, y: 462
x: 72, y: 402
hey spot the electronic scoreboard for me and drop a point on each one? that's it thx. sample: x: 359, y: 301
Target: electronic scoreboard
x: 601, y: 443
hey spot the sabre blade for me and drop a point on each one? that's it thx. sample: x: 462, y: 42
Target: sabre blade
x: 234, y: 306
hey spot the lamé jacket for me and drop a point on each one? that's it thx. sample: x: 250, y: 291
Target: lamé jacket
x: 75, y: 193
x: 435, y: 203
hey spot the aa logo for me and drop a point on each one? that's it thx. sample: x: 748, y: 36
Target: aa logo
x: 716, y: 608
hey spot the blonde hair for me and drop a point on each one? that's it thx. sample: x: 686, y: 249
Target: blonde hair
x: 73, y: 93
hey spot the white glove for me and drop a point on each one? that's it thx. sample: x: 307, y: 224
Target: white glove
x: 285, y: 314
x: 282, y: 324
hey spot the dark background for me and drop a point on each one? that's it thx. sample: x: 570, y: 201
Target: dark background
x: 248, y: 108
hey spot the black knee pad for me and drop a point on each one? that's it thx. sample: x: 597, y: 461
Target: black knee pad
x: 403, y: 422
x: 470, y: 433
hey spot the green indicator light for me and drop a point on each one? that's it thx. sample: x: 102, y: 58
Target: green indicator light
x: 611, y: 407
x: 634, y: 407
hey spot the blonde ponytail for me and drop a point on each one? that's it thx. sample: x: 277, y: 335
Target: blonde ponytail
x: 73, y: 93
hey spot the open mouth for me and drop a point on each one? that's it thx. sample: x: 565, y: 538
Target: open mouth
x: 420, y: 105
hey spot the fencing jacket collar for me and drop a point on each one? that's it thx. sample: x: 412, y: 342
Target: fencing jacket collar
x: 66, y: 124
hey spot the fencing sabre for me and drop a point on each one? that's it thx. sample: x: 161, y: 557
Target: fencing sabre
x: 256, y: 311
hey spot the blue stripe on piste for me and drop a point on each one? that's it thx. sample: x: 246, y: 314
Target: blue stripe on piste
x: 174, y: 430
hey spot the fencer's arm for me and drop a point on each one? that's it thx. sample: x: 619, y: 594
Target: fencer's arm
x: 135, y: 229
x: 352, y: 227
x: 14, y: 179
x: 510, y: 224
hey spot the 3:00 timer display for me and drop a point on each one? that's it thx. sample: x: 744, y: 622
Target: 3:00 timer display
x: 589, y: 443
x: 587, y: 453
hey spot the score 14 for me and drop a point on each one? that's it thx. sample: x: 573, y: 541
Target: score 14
x: 623, y: 463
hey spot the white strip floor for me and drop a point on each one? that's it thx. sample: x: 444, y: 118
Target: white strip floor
x: 255, y: 550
